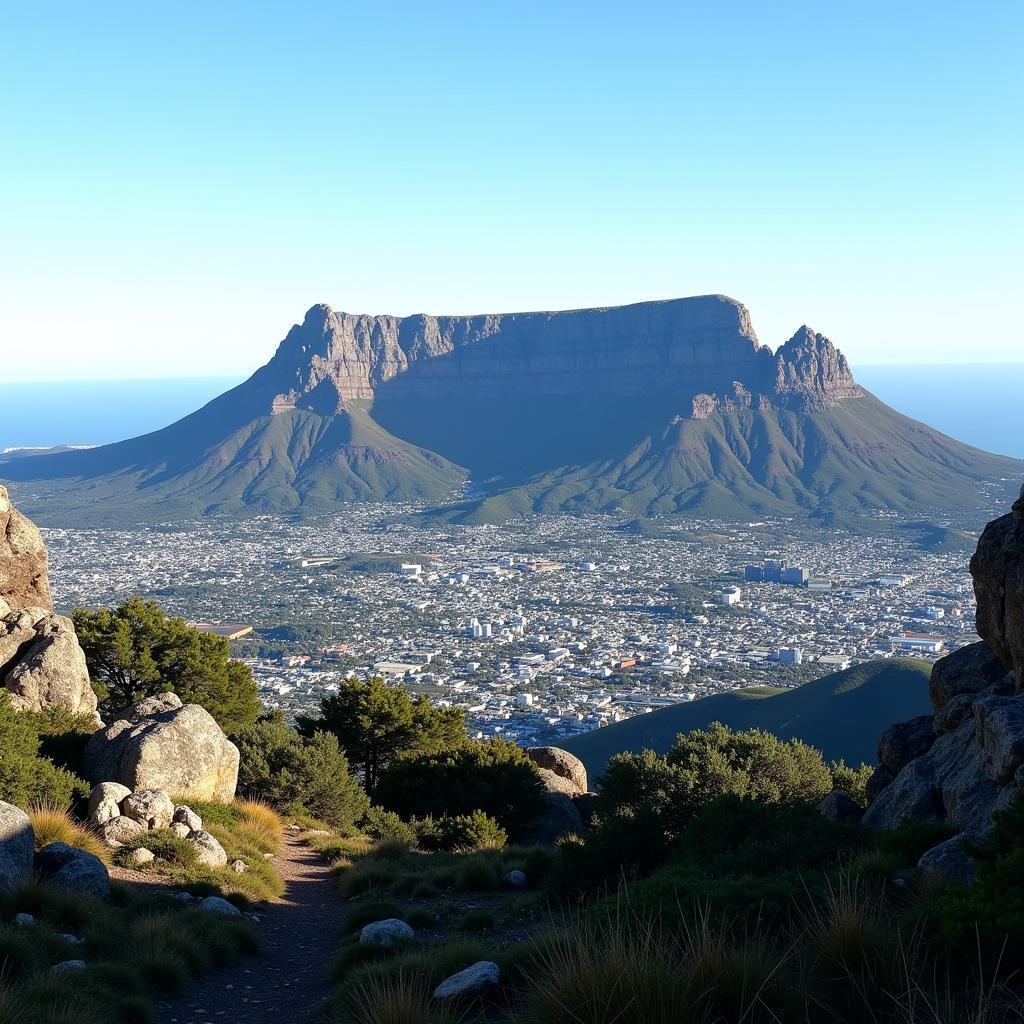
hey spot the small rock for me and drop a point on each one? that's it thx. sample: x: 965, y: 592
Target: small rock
x: 186, y: 816
x: 139, y: 857
x: 515, y: 879
x: 179, y: 828
x: 239, y: 867
x: 949, y: 862
x: 72, y: 940
x: 105, y: 802
x: 120, y: 830
x: 185, y: 897
x: 838, y: 806
x: 387, y: 933
x: 209, y: 852
x: 151, y: 808
x: 24, y: 919
x: 216, y: 905
x: 472, y: 981
x: 68, y: 967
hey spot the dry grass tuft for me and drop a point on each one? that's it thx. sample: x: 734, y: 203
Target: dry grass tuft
x: 261, y: 825
x: 56, y: 825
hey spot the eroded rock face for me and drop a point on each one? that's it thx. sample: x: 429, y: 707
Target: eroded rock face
x: 975, y: 765
x: 161, y: 743
x: 23, y: 579
x: 998, y: 571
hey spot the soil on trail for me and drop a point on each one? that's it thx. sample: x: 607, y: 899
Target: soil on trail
x: 287, y: 982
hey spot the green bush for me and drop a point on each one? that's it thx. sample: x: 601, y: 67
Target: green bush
x: 476, y: 831
x: 287, y: 771
x: 706, y: 764
x: 494, y: 777
x: 386, y: 826
x: 26, y: 778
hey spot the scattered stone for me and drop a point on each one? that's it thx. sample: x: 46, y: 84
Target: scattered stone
x: 68, y: 967
x: 949, y: 862
x: 837, y: 806
x: 105, y: 802
x: 139, y: 857
x: 186, y: 816
x: 388, y: 933
x: 179, y: 828
x: 161, y: 743
x: 239, y: 867
x: 209, y: 852
x: 120, y: 830
x: 151, y: 808
x: 185, y: 897
x: 24, y: 919
x: 217, y: 905
x: 562, y: 763
x: 68, y: 867
x: 71, y: 940
x: 473, y: 981
x: 515, y: 879
x: 17, y: 841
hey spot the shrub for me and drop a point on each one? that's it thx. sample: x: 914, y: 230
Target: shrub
x: 26, y: 778
x: 706, y: 764
x: 476, y: 831
x: 494, y: 777
x: 260, y: 825
x: 386, y: 826
x: 280, y: 767
x: 477, y: 920
x: 164, y: 844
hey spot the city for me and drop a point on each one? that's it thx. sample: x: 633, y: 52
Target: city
x: 540, y: 629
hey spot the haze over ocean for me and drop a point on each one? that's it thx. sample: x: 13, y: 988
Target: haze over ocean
x: 956, y: 398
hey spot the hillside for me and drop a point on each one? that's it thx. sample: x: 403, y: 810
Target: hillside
x: 654, y: 408
x: 841, y: 714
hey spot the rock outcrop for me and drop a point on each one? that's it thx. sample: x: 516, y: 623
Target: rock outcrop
x: 161, y: 743
x: 68, y: 867
x: 967, y: 761
x: 23, y: 577
x: 41, y: 662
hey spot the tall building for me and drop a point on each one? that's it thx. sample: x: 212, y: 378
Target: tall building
x: 773, y: 572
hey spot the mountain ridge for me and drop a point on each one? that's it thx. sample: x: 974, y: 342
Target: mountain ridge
x: 666, y: 406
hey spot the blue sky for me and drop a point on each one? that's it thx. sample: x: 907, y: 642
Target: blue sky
x: 180, y: 182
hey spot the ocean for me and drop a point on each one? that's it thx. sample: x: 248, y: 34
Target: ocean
x: 980, y: 403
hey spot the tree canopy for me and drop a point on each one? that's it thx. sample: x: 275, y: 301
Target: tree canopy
x: 376, y: 723
x: 138, y: 650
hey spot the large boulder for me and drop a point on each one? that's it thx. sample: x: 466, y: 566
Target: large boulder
x: 562, y: 763
x: 837, y: 806
x: 23, y: 578
x: 49, y: 669
x: 950, y: 862
x: 998, y: 571
x: 161, y: 743
x: 556, y: 784
x: 559, y: 819
x: 17, y: 846
x: 71, y: 868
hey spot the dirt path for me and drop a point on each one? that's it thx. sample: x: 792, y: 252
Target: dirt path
x: 287, y: 982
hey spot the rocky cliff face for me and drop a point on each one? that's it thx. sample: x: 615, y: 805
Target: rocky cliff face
x: 23, y: 579
x: 41, y: 662
x: 687, y: 346
x: 967, y: 761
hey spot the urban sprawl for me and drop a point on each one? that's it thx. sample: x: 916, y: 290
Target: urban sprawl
x: 539, y: 629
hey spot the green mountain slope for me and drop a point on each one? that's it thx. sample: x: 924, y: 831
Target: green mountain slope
x: 841, y: 714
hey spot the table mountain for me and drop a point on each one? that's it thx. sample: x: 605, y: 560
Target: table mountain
x: 654, y: 407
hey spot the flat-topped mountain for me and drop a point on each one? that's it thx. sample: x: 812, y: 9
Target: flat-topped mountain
x: 654, y: 407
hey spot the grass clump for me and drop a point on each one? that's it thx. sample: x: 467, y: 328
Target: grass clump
x: 56, y: 825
